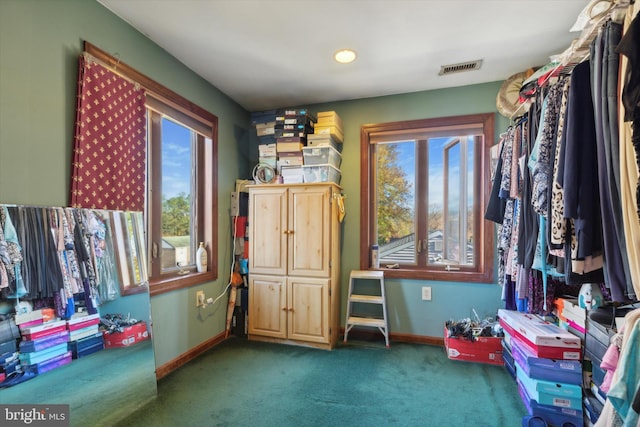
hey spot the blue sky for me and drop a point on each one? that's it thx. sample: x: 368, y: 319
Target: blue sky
x: 407, y: 161
x: 176, y: 159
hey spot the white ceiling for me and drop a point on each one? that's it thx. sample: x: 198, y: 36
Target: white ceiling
x: 268, y: 54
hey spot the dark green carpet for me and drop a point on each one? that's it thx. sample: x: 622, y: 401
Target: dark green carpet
x: 246, y: 383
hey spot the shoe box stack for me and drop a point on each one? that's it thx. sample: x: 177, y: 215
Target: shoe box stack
x: 265, y: 122
x: 9, y: 361
x: 45, y: 344
x: 322, y: 155
x: 291, y: 130
x: 546, y: 362
x: 571, y: 316
x: 574, y: 319
x: 85, y: 337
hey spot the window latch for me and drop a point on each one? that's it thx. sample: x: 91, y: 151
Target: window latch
x: 449, y: 268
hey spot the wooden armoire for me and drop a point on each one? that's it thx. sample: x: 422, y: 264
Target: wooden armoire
x: 294, y: 264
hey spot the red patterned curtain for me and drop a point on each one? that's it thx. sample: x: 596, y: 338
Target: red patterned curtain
x: 109, y: 157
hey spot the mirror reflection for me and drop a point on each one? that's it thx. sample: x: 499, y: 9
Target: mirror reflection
x: 75, y: 322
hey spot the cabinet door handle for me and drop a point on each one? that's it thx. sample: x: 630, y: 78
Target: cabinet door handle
x: 291, y: 309
x: 284, y: 308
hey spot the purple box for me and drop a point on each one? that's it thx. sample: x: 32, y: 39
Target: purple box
x: 49, y: 364
x: 557, y: 370
x: 28, y: 346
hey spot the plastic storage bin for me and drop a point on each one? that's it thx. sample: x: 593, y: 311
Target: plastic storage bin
x: 321, y: 173
x: 322, y: 156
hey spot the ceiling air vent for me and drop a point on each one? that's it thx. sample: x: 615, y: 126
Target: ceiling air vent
x: 458, y: 68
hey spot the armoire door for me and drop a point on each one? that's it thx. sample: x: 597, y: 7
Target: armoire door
x: 268, y: 225
x: 268, y: 306
x: 310, y: 231
x: 308, y: 307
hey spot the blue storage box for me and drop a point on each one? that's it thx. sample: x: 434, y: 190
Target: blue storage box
x: 550, y: 393
x: 555, y: 370
x: 553, y: 415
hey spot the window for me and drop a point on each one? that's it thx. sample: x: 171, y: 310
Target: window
x: 181, y: 208
x: 424, y: 184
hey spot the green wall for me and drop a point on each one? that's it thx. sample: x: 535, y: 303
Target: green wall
x: 40, y: 41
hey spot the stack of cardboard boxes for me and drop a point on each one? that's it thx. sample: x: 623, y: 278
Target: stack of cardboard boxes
x: 322, y: 156
x: 44, y: 345
x: 548, y: 367
x: 265, y: 122
x: 299, y: 146
x: 291, y: 130
x: 85, y: 336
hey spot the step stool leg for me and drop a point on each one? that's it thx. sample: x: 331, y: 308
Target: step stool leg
x: 347, y: 328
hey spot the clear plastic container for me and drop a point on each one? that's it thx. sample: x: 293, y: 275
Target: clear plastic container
x: 321, y: 173
x: 321, y: 156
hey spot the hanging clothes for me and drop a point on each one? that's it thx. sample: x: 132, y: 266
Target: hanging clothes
x: 557, y: 230
x: 541, y: 160
x: 528, y: 231
x: 604, y: 77
x: 580, y: 183
x: 496, y: 204
x: 11, y: 256
x: 626, y: 377
x: 629, y: 101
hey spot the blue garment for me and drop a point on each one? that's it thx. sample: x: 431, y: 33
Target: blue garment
x: 623, y: 390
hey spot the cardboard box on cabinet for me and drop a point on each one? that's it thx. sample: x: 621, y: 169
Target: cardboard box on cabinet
x: 129, y: 336
x: 481, y: 350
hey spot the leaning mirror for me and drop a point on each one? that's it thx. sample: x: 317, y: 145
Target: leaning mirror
x: 71, y: 332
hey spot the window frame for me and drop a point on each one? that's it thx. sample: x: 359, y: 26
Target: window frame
x: 483, y: 229
x: 171, y: 104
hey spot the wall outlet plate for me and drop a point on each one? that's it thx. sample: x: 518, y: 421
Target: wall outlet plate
x: 426, y: 293
x: 200, y: 299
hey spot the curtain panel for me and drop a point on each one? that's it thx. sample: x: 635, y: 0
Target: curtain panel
x: 109, y: 156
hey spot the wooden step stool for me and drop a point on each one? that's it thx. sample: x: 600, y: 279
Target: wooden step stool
x: 379, y: 298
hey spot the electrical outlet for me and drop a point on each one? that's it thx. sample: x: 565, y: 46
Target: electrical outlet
x: 199, y: 298
x: 426, y: 293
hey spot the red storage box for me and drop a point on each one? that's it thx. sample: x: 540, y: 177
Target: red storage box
x: 131, y: 335
x: 482, y: 350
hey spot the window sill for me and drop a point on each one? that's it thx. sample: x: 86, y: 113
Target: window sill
x: 172, y: 283
x: 436, y: 275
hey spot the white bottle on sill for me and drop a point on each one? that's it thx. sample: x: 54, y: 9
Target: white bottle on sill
x: 201, y: 258
x: 375, y: 256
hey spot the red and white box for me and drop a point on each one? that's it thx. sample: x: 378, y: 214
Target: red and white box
x: 130, y: 335
x: 481, y: 350
x: 80, y: 322
x: 542, y: 338
x: 43, y: 330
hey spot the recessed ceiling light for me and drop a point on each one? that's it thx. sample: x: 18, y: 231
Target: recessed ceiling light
x: 345, y: 56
